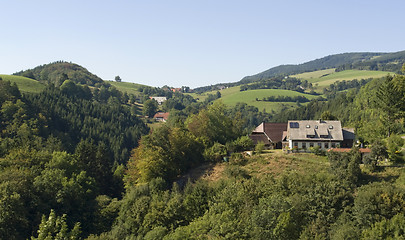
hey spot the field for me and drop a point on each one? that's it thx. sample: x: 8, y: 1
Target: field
x: 24, y: 84
x: 328, y: 76
x: 249, y: 97
x: 126, y: 87
x: 232, y: 95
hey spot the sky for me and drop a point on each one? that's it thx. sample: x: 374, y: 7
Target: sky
x: 192, y: 43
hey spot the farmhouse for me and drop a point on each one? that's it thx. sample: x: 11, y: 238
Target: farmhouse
x: 161, y: 116
x: 159, y: 100
x: 322, y: 133
x: 271, y: 134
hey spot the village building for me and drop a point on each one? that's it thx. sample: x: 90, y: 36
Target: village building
x: 159, y: 100
x: 325, y: 134
x: 161, y: 116
x: 271, y: 134
x: 303, y: 134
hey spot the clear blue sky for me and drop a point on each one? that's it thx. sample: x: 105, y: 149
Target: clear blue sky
x: 192, y: 43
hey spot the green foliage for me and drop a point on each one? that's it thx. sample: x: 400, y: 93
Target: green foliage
x: 376, y: 202
x: 212, y: 125
x: 394, y: 147
x: 346, y: 165
x: 166, y: 153
x: 56, y: 73
x: 259, y: 147
x: 393, y: 228
x: 215, y: 153
x: 149, y: 108
x: 55, y: 227
x: 326, y: 115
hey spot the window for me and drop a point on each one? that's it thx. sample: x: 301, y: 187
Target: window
x: 296, y: 144
x: 294, y: 125
x: 333, y: 145
x: 320, y: 145
x: 311, y: 144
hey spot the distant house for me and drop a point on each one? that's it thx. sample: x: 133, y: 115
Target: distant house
x: 161, y: 116
x: 271, y: 134
x: 322, y: 133
x: 176, y: 89
x: 159, y: 100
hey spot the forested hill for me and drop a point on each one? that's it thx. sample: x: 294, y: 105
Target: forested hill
x: 57, y: 72
x: 331, y: 61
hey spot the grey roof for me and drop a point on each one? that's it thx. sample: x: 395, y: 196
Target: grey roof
x: 314, y: 130
x: 348, y: 133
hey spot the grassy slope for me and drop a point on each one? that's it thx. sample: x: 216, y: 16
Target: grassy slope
x: 126, y: 87
x: 326, y: 77
x: 24, y: 84
x: 275, y: 163
x: 231, y: 96
x: 250, y: 96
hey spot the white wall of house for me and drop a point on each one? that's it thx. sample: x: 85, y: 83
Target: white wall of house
x: 306, y: 145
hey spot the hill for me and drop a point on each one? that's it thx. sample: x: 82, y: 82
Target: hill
x: 56, y: 73
x: 24, y: 84
x: 332, y: 61
x: 391, y: 62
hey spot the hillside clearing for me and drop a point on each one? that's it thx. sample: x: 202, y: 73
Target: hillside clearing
x: 326, y: 77
x: 26, y: 85
x: 129, y: 88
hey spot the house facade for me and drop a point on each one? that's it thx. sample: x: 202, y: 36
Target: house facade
x: 325, y: 134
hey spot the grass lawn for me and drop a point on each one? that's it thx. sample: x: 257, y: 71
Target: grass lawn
x: 126, y: 87
x: 27, y: 85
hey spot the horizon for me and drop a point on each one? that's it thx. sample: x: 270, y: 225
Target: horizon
x: 192, y: 44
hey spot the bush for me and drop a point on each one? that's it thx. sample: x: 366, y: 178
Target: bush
x: 237, y: 159
x: 317, y: 151
x: 259, y: 147
x: 215, y: 153
x: 394, y: 145
x: 236, y: 172
x: 243, y: 143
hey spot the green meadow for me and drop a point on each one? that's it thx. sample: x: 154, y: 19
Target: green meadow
x: 126, y: 87
x: 24, y: 84
x: 328, y: 76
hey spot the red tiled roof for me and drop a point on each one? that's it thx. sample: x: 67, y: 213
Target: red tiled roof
x: 362, y: 150
x: 164, y: 115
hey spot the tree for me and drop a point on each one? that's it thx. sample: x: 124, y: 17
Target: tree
x: 149, y: 108
x: 326, y: 115
x: 117, y: 79
x: 388, y: 100
x: 212, y: 125
x: 55, y: 227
